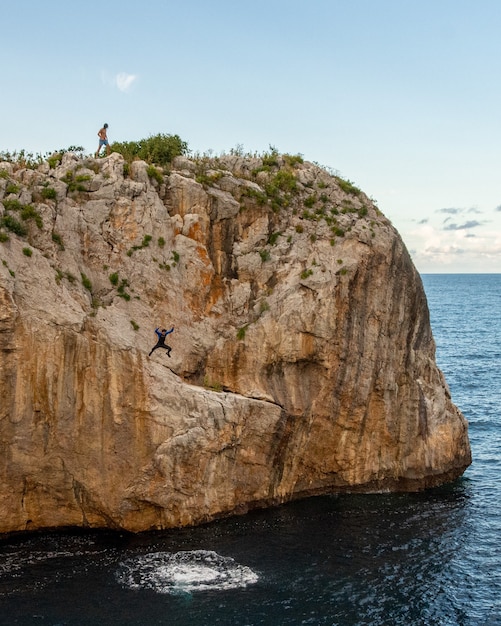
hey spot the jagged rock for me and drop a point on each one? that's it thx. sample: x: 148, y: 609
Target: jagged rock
x: 303, y: 360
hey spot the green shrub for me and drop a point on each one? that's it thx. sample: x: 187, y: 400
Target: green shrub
x: 306, y: 273
x: 241, y: 332
x: 265, y: 255
x: 347, y: 186
x: 4, y: 237
x: 158, y: 149
x: 14, y: 225
x: 12, y: 204
x: 114, y: 279
x: 362, y: 211
x: 261, y: 168
x: 95, y: 303
x: 134, y: 325
x: 154, y: 173
x: 310, y: 201
x: 293, y: 159
x: 299, y: 228
x: 75, y: 183
x: 11, y: 188
x: 270, y: 159
x: 54, y: 160
x: 260, y: 197
x: 28, y: 212
x: 56, y: 238
x: 27, y: 251
x: 161, y: 242
x: 49, y: 193
x: 121, y: 290
x: 272, y: 239
x: 208, y: 179
x: 285, y: 181
x: 86, y: 282
x: 144, y: 244
x: 4, y: 173
x: 175, y: 256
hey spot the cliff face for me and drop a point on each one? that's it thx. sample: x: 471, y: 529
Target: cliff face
x: 302, y: 363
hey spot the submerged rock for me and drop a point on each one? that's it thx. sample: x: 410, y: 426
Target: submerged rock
x: 302, y: 358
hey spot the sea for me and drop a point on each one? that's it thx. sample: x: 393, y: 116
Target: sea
x: 430, y: 558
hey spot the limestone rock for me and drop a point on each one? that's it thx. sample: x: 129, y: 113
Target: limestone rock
x: 303, y: 360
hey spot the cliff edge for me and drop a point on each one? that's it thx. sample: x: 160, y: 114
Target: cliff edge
x: 302, y: 357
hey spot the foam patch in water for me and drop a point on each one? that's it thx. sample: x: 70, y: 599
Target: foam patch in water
x: 184, y: 572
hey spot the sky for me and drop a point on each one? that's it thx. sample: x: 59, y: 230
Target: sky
x: 403, y: 98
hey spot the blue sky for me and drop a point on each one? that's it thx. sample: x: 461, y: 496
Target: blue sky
x: 401, y: 97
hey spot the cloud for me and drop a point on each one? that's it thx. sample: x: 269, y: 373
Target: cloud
x: 458, y: 249
x: 458, y: 211
x: 125, y: 81
x: 498, y: 208
x: 465, y: 226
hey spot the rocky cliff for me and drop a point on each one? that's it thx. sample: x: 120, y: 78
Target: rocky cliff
x: 302, y: 356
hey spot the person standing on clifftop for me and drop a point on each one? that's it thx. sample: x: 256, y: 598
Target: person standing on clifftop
x: 103, y: 140
x: 162, y: 334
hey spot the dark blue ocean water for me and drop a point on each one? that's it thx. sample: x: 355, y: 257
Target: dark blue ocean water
x: 418, y: 559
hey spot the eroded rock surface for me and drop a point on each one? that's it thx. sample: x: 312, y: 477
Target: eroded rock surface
x: 303, y: 360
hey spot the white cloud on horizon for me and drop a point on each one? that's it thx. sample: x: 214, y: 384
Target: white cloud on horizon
x: 464, y: 226
x: 435, y: 249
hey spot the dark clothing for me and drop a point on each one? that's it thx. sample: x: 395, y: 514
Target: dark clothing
x: 161, y: 340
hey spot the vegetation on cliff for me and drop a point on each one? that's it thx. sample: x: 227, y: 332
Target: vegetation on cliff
x: 302, y: 358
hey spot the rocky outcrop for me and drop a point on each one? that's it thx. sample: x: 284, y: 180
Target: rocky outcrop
x: 302, y: 363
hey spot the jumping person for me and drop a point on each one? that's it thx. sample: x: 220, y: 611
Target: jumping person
x: 103, y: 140
x: 162, y: 334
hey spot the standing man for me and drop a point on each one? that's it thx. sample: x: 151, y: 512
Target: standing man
x: 161, y: 340
x: 103, y: 140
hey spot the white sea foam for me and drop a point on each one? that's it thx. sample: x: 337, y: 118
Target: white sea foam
x: 184, y: 572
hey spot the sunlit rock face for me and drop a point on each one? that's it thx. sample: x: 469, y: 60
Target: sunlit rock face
x: 302, y: 356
